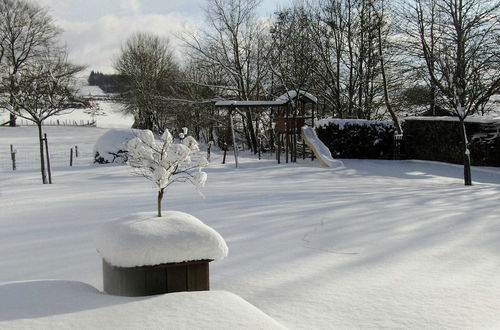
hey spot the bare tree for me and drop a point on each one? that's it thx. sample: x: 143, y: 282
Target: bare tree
x: 26, y: 30
x: 292, y: 57
x: 43, y: 89
x: 346, y: 40
x: 151, y: 71
x: 379, y: 12
x: 230, y: 46
x: 329, y: 39
x: 409, y: 21
x: 464, y: 64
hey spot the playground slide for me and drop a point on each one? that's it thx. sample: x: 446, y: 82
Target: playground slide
x: 321, y: 151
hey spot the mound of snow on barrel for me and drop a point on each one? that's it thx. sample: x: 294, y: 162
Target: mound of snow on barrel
x: 144, y: 239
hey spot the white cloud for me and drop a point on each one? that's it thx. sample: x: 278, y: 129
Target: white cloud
x: 133, y: 6
x: 96, y: 43
x: 94, y: 30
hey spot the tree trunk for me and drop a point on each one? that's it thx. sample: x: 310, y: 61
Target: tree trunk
x: 13, y: 117
x: 467, y: 170
x: 395, y: 118
x: 42, y: 158
x: 160, y: 197
x: 12, y: 120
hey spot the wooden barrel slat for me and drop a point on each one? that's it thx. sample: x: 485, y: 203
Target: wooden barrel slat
x: 157, y: 279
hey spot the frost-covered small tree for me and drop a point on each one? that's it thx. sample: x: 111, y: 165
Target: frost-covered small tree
x: 164, y: 162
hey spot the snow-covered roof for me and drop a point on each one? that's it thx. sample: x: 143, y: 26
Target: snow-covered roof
x: 292, y: 95
x: 281, y: 100
x: 249, y: 103
x: 144, y: 239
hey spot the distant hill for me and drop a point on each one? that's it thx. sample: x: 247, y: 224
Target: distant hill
x: 109, y: 83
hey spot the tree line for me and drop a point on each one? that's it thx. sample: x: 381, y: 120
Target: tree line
x: 365, y: 59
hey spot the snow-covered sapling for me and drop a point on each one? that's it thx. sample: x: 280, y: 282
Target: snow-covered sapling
x: 164, y: 162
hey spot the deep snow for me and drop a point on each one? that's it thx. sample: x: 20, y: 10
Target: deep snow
x: 74, y: 305
x: 378, y: 244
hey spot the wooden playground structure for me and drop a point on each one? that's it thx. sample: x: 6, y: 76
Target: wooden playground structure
x: 288, y: 113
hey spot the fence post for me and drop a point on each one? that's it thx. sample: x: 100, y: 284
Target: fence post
x: 13, y: 157
x: 48, y: 157
x: 71, y: 157
x: 209, y: 150
x: 76, y: 151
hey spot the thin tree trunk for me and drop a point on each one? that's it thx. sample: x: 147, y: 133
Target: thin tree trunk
x: 12, y: 117
x: 12, y: 120
x: 42, y: 158
x: 160, y: 197
x: 467, y: 164
x: 395, y: 118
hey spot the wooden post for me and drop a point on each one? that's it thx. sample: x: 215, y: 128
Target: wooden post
x: 71, y: 157
x: 278, y: 151
x: 48, y: 157
x: 235, y: 147
x: 13, y: 157
x: 225, y: 153
x: 209, y: 150
x: 258, y: 146
x: 303, y: 147
x: 287, y: 135
x: 76, y: 151
x: 294, y: 141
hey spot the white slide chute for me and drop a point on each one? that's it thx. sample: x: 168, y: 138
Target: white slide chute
x: 321, y: 151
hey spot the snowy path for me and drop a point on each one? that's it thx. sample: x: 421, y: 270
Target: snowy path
x: 378, y: 244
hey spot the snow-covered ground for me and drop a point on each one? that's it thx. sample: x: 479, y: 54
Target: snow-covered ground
x: 112, y: 117
x: 377, y: 244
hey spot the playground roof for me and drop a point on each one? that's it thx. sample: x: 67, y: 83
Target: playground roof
x: 249, y: 103
x: 293, y: 94
x: 281, y: 100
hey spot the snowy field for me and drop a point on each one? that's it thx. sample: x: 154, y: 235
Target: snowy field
x: 377, y: 244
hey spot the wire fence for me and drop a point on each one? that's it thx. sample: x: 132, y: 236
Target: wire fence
x: 57, y: 122
x: 29, y: 159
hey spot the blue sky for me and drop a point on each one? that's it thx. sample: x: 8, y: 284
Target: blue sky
x: 95, y: 29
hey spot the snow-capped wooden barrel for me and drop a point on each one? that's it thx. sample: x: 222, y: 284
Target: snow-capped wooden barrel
x: 146, y: 255
x: 150, y: 280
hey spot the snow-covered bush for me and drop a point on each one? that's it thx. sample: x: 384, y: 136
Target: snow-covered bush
x: 164, y: 162
x: 111, y: 147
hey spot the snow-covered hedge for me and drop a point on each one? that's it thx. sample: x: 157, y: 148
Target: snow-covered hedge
x: 111, y: 147
x: 439, y: 139
x: 357, y: 138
